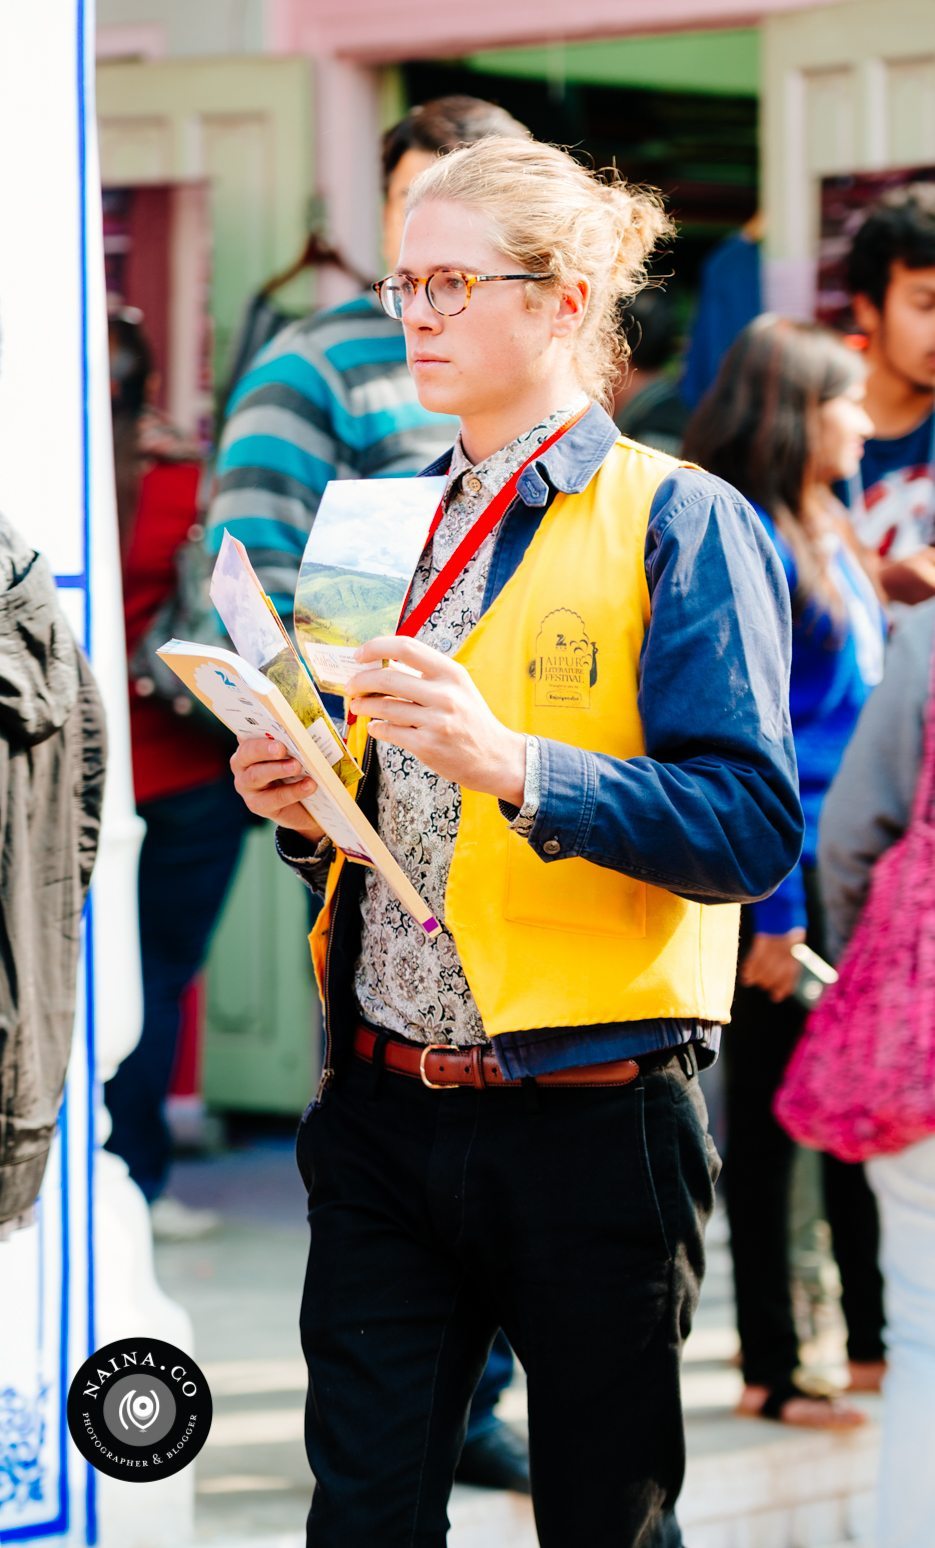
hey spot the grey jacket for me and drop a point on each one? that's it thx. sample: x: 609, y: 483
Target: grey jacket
x: 52, y: 753
x: 870, y: 802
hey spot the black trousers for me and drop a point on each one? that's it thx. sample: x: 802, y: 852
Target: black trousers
x: 572, y: 1219
x: 190, y: 851
x: 756, y: 1048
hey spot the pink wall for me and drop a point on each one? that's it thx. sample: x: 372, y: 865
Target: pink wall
x: 374, y: 31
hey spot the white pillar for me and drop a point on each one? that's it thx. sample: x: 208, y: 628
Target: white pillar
x: 83, y: 1275
x: 347, y: 168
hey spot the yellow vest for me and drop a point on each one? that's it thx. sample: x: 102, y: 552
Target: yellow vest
x: 571, y: 943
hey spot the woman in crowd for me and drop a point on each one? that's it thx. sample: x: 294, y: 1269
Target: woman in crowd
x: 783, y: 421
x: 868, y: 809
x: 509, y: 1130
x: 179, y: 774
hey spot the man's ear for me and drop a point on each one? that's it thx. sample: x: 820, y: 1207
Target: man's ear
x: 572, y: 307
x: 867, y: 315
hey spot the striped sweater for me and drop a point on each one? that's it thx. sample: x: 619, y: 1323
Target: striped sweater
x: 330, y: 397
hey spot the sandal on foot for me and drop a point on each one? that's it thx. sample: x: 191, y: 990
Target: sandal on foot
x: 813, y: 1410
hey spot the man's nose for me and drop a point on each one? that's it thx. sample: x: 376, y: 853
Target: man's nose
x: 420, y: 315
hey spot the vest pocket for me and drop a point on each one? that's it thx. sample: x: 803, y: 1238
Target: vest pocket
x: 571, y: 894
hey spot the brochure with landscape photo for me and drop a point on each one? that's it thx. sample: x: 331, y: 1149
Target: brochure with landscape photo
x: 250, y: 705
x: 357, y: 568
x: 258, y: 634
x: 355, y: 577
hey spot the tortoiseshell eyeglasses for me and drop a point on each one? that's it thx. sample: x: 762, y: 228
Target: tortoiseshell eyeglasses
x: 448, y: 291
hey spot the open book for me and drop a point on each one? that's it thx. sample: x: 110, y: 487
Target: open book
x: 353, y: 584
x: 250, y: 705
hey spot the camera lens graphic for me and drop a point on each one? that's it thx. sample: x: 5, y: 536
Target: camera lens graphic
x: 138, y: 1408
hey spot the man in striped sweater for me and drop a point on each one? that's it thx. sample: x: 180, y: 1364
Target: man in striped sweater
x: 331, y: 397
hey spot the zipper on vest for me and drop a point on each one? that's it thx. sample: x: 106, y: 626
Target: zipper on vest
x: 327, y: 1069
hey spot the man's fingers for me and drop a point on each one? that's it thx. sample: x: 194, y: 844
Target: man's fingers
x: 408, y: 738
x: 258, y: 776
x: 290, y: 795
x: 397, y: 684
x: 399, y: 712
x: 273, y: 800
x: 414, y: 653
x: 256, y: 749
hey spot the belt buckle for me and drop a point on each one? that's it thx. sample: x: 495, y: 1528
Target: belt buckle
x: 434, y: 1085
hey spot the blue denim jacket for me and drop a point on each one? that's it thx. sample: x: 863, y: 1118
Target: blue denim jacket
x: 711, y: 812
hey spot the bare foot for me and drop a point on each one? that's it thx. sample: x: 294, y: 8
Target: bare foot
x: 752, y: 1400
x: 866, y: 1375
x: 819, y: 1413
x: 803, y: 1410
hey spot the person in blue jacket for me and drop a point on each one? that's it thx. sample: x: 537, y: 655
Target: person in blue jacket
x: 783, y: 421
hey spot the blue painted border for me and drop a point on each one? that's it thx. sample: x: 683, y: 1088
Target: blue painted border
x: 85, y: 103
x: 90, y: 1484
x: 58, y: 1526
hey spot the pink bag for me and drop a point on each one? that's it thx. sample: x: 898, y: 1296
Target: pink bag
x: 861, y: 1081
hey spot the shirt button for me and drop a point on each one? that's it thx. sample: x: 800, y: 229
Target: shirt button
x: 473, y: 484
x: 551, y: 846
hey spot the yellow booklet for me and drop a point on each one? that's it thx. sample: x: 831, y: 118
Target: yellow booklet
x: 251, y: 706
x: 261, y: 640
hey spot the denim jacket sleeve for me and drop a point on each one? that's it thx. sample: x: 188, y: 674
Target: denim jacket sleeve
x: 785, y: 909
x: 711, y: 812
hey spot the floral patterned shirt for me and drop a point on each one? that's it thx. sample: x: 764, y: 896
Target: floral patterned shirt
x: 403, y: 982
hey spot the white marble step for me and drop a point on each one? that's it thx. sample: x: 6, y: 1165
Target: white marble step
x: 749, y: 1485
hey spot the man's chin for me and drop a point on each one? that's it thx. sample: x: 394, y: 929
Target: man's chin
x: 434, y: 399
x: 922, y: 381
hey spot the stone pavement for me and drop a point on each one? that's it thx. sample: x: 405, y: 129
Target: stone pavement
x: 750, y: 1484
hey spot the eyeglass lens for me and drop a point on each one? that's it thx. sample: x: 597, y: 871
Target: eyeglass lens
x: 447, y: 292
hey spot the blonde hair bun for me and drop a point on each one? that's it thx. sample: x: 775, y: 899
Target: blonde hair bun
x: 550, y: 214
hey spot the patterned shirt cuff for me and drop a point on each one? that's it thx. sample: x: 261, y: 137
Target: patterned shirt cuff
x: 521, y: 819
x: 311, y: 867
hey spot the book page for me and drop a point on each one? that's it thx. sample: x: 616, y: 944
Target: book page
x: 261, y: 640
x: 357, y: 568
x: 251, y: 706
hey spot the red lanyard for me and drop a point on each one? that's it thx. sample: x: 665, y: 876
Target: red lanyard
x: 473, y: 538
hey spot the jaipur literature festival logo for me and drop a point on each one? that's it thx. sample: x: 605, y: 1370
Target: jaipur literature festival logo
x: 139, y: 1409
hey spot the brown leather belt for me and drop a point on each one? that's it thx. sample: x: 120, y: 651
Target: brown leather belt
x: 440, y: 1067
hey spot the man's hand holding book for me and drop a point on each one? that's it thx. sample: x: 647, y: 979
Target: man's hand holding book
x: 272, y: 785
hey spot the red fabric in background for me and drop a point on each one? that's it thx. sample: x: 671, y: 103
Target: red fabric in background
x: 148, y: 277
x: 170, y: 752
x: 186, y: 1076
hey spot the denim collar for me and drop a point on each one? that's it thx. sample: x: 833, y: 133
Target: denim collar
x: 567, y: 467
